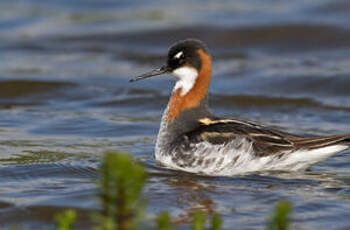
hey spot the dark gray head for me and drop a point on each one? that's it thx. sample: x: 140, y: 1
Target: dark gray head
x: 183, y: 60
x: 185, y: 53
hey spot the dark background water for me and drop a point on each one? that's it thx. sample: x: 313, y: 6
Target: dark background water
x: 65, y: 99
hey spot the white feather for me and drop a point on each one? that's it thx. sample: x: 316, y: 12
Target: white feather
x: 243, y: 160
x: 178, y: 55
x: 186, y: 78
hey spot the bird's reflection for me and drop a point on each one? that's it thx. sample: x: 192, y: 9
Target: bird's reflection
x: 191, y: 194
x: 183, y: 194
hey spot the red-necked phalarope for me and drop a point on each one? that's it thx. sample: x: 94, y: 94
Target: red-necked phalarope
x: 193, y: 140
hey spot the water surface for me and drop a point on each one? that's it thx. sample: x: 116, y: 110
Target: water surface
x: 65, y: 99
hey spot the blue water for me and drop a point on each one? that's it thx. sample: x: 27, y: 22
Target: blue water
x: 65, y: 99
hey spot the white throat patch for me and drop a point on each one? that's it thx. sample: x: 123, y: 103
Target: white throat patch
x: 186, y: 78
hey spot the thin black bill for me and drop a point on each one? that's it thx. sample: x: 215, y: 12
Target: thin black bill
x: 152, y: 73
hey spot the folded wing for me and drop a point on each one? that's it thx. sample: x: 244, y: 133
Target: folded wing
x: 265, y: 140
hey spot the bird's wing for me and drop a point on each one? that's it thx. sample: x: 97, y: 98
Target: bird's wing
x: 265, y: 140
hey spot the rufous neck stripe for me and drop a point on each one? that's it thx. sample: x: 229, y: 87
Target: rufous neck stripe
x: 178, y: 103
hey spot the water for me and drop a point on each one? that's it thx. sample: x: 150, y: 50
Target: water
x: 65, y: 99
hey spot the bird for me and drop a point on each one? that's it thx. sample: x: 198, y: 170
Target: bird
x: 193, y: 140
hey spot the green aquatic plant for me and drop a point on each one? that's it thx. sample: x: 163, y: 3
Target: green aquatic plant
x: 65, y: 219
x: 216, y: 222
x: 121, y: 182
x: 35, y: 157
x: 280, y: 218
x: 164, y: 222
x: 120, y: 186
x: 198, y: 221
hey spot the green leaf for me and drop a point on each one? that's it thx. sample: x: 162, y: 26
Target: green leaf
x: 280, y: 219
x: 216, y: 222
x: 163, y: 221
x: 198, y: 221
x: 65, y: 219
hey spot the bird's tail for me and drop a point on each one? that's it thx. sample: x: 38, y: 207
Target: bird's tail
x: 320, y: 142
x: 315, y: 149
